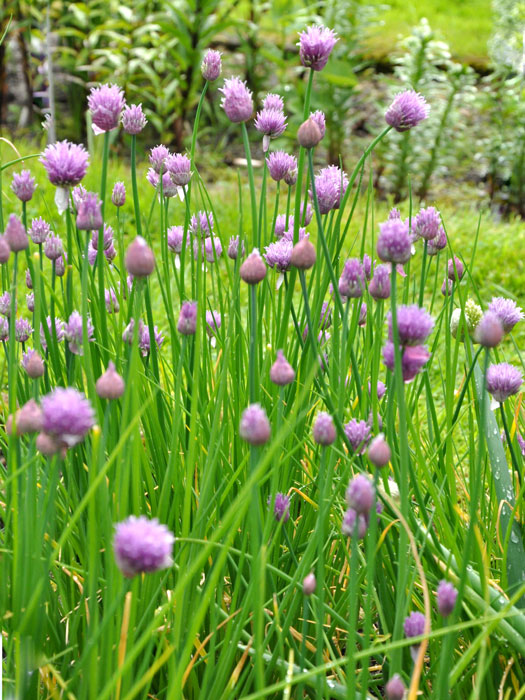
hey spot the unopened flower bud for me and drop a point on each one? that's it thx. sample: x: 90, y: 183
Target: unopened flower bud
x: 379, y: 452
x: 282, y: 372
x: 324, y: 429
x: 303, y: 255
x: 395, y: 688
x: 253, y: 269
x: 5, y: 250
x: 110, y: 385
x: 309, y: 584
x: 140, y: 261
x: 309, y: 134
x: 489, y: 331
x: 16, y: 235
x: 255, y: 426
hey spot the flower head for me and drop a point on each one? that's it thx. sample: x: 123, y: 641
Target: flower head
x: 508, y: 312
x: 394, y: 243
x: 59, y: 331
x: 157, y: 158
x: 237, y: 100
x: 407, y: 110
x: 169, y: 188
x: 105, y: 103
x: 74, y: 333
x: 140, y: 260
x: 414, y: 625
x: 4, y: 328
x: 427, y: 223
x: 118, y: 196
x: 315, y: 46
x: 330, y: 187
x: 15, y: 234
x: 236, y: 247
x: 395, y: 688
x: 23, y: 185
x: 253, y: 269
x: 23, y: 330
x: 39, y: 230
x: 439, y: 242
x: 255, y: 426
x: 133, y: 119
x: 271, y: 123
x: 65, y: 163
x: 279, y: 254
x: 349, y: 524
x: 412, y: 361
x: 319, y: 118
x: 202, y: 223
x: 281, y: 507
x: 5, y: 304
x: 379, y: 287
x: 455, y: 269
x: 489, y: 331
x: 89, y: 216
x: 145, y: 340
x: 142, y: 545
x: 175, y: 235
x: 67, y: 415
x: 414, y: 325
x: 360, y: 494
x: 187, y: 324
x: 352, y: 281
x: 503, y: 380
x: 272, y: 101
x: 110, y: 385
x: 358, y: 434
x: 211, y: 65
x: 446, y: 598
x: 324, y: 430
x: 179, y: 168
x: 282, y: 372
x: 280, y: 164
x: 379, y: 452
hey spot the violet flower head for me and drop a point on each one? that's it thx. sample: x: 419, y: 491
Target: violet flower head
x: 315, y: 46
x: 105, y: 103
x: 202, y: 224
x: 407, y: 110
x: 74, y: 334
x: 133, y: 119
x: 145, y: 340
x: 281, y: 507
x: 414, y: 325
x: 358, y: 435
x: 489, y: 331
x: 236, y: 100
x: 169, y: 188
x: 271, y: 123
x: 78, y: 194
x: 210, y: 249
x: 236, y: 248
x: 326, y: 316
x: 67, y: 415
x: 280, y: 164
x: 142, y: 545
x: 278, y: 255
x: 23, y: 185
x: 352, y: 281
x: 179, y: 168
x: 367, y: 266
x: 394, y: 243
x: 65, y: 163
x: 211, y: 65
x: 427, y: 223
x: 330, y: 187
x: 89, y: 216
x: 110, y: 298
x: 187, y: 324
x: 253, y: 269
x: 4, y: 328
x: 413, y: 359
x: 309, y: 584
x: 33, y: 363
x: 255, y: 426
x: 140, y: 260
x: 438, y: 243
x: 213, y: 322
x: 323, y: 430
x: 319, y: 118
x: 39, y: 230
x: 395, y: 688
x: 379, y: 452
x: 273, y: 101
x: 15, y: 234
x: 118, y: 196
x: 30, y: 302
x: 414, y: 625
x: 379, y: 287
x: 503, y: 380
x: 282, y: 372
x: 60, y: 265
x: 348, y: 526
x: 175, y: 236
x: 5, y: 304
x: 446, y: 598
x: 360, y: 494
x: 157, y: 158
x: 394, y: 213
x: 508, y: 312
x: 59, y: 331
x: 455, y: 269
x: 23, y: 330
x: 53, y: 247
x: 110, y: 385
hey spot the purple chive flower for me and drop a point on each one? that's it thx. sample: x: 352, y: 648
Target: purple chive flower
x: 187, y: 324
x: 169, y: 188
x: 30, y: 302
x: 288, y: 235
x: 407, y: 110
x: 438, y: 243
x: 330, y: 187
x: 352, y: 280
x: 105, y: 103
x: 118, y: 196
x: 446, y: 598
x: 133, y: 119
x: 157, y: 158
x: 394, y: 243
x: 280, y: 224
x: 281, y: 507
x: 414, y: 325
x: 39, y: 230
x: 15, y: 234
x: 379, y: 287
x: 73, y: 332
x: 273, y: 101
x: 233, y: 248
x: 23, y: 185
x: 253, y: 269
x: 282, y: 372
x: 202, y: 223
x: 379, y: 452
x: 315, y: 46
x: 412, y: 361
x: 255, y: 426
x: 447, y: 287
x: 213, y: 322
x: 358, y: 434
x: 29, y: 281
x: 65, y: 163
x: 59, y: 331
x: 179, y: 168
x: 210, y: 249
x: 489, y: 331
x: 360, y: 494
x: 112, y: 305
x: 367, y: 266
x: 33, y: 364
x: 60, y: 266
x: 348, y: 525
x: 323, y: 430
x: 362, y: 314
x: 23, y: 330
x: 107, y: 237
x: 53, y: 247
x: 427, y: 223
x: 395, y: 688
x: 4, y: 328
x: 278, y: 255
x: 280, y: 164
x: 394, y: 213
x: 414, y: 625
x: 67, y: 415
x: 110, y: 385
x: 142, y: 545
x: 271, y: 123
x: 326, y: 316
x: 176, y: 238
x: 455, y: 269
x: 211, y: 65
x: 79, y: 194
x: 236, y: 100
x: 319, y: 118
x: 508, y: 312
x: 503, y: 380
x: 145, y: 341
x: 309, y: 584
x: 5, y: 304
x: 140, y: 260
